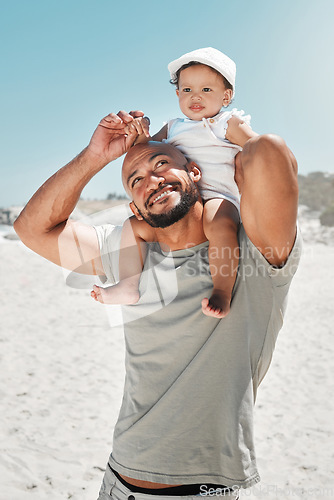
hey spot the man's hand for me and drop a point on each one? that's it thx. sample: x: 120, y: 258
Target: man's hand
x: 116, y: 133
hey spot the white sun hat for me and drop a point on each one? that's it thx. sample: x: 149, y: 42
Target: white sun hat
x: 209, y: 56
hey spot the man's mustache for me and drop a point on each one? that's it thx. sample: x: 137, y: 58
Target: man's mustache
x: 160, y: 188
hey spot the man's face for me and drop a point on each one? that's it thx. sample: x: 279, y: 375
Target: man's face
x: 156, y: 177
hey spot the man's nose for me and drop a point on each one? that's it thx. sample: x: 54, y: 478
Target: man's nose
x: 154, y: 180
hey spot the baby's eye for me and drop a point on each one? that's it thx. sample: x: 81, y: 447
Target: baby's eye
x: 186, y: 89
x: 206, y: 89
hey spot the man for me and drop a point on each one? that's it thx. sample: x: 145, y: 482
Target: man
x: 185, y: 425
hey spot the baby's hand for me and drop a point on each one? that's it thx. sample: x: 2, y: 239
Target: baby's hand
x: 140, y: 126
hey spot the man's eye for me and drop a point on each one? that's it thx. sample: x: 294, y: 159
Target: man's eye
x: 206, y: 89
x: 161, y: 163
x: 135, y: 181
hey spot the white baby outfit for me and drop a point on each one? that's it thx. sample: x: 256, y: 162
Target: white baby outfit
x: 204, y: 143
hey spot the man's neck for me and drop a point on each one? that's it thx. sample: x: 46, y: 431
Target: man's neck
x: 185, y: 233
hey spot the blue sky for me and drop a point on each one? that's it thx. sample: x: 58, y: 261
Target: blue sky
x: 68, y: 63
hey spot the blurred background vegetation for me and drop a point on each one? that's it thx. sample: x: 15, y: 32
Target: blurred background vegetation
x: 316, y: 191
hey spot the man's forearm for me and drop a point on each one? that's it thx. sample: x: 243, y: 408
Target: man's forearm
x: 55, y: 200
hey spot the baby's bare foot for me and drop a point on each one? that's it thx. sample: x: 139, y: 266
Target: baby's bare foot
x: 122, y: 293
x: 218, y: 305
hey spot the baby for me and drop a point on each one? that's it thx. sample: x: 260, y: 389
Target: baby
x: 205, y: 81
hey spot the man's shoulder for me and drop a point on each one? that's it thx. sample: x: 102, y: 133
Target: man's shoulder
x: 108, y: 234
x: 109, y: 239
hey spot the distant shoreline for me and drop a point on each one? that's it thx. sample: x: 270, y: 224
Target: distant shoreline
x: 86, y: 207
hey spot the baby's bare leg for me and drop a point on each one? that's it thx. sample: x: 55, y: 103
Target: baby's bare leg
x: 131, y: 258
x: 221, y: 220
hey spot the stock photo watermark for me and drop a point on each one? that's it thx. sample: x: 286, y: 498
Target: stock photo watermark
x: 267, y: 491
x: 276, y: 491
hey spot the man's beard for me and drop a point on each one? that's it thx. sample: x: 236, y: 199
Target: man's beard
x: 162, y: 220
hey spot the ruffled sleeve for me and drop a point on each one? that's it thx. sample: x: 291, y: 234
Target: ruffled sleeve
x: 225, y: 117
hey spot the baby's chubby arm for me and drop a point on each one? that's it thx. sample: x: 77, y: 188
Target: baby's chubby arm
x: 238, y: 132
x: 161, y: 135
x: 141, y: 126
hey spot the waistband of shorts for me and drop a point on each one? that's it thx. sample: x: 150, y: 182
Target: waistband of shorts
x: 173, y: 491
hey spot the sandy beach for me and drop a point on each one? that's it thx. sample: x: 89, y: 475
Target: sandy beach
x: 62, y: 379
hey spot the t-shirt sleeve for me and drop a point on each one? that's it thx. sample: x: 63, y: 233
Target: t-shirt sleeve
x: 279, y: 275
x: 280, y: 280
x: 109, y: 238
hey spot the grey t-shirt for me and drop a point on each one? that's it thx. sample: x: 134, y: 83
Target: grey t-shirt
x: 191, y: 380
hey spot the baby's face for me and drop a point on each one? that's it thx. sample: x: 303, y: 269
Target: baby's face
x: 201, y: 92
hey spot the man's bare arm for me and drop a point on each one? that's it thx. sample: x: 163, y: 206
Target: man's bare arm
x: 44, y: 224
x: 266, y: 174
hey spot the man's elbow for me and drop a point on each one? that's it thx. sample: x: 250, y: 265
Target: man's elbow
x: 18, y: 226
x: 21, y: 229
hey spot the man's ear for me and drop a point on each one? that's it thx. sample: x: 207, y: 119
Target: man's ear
x: 194, y: 171
x: 134, y: 210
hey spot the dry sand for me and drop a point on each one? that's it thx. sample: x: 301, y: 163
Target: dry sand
x: 62, y: 379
